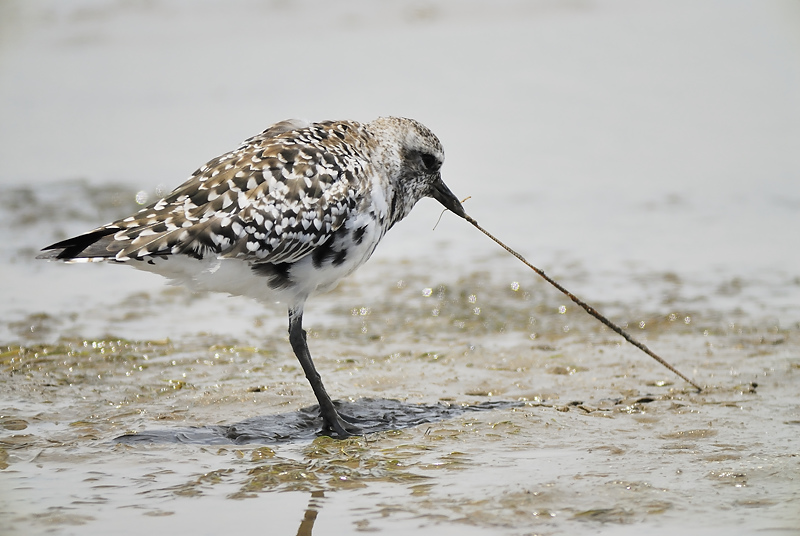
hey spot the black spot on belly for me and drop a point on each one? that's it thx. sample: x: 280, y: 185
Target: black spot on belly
x: 326, y: 252
x: 322, y: 254
x: 340, y: 257
x: 277, y: 274
x: 194, y: 254
x: 358, y: 234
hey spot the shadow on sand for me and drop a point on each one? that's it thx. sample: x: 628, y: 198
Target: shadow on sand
x: 371, y: 414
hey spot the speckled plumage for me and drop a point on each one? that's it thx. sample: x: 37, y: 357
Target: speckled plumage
x: 320, y: 194
x: 288, y: 213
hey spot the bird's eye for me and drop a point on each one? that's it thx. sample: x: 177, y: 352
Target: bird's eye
x: 430, y: 162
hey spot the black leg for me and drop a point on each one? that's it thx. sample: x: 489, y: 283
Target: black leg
x: 333, y: 422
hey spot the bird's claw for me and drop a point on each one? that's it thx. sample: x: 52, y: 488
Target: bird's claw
x: 340, y: 428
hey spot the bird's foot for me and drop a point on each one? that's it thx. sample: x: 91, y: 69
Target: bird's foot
x: 340, y: 427
x: 350, y: 419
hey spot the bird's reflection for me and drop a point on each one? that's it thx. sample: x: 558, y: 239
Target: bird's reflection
x: 310, y: 515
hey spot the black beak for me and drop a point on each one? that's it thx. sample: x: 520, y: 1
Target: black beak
x: 443, y: 195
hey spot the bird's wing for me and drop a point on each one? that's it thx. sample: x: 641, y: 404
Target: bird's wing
x: 273, y: 199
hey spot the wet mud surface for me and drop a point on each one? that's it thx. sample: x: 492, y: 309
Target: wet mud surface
x: 595, y: 438
x: 369, y: 414
x: 492, y: 406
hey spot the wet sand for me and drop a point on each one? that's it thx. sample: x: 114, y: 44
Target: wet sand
x: 652, y: 176
x: 600, y: 440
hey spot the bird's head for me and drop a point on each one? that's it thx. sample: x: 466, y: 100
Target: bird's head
x: 414, y: 157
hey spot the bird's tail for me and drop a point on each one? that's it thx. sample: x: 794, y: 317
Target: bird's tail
x: 88, y: 247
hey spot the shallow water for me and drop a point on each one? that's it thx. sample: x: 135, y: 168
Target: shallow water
x: 599, y: 439
x: 652, y: 172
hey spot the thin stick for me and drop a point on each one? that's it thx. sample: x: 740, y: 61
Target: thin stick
x: 445, y: 210
x: 588, y: 308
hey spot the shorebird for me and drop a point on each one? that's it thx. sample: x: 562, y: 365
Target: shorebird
x: 286, y: 215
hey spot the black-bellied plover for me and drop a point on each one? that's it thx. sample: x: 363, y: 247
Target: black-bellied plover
x: 287, y: 214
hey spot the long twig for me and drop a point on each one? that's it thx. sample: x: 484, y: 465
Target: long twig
x: 588, y: 308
